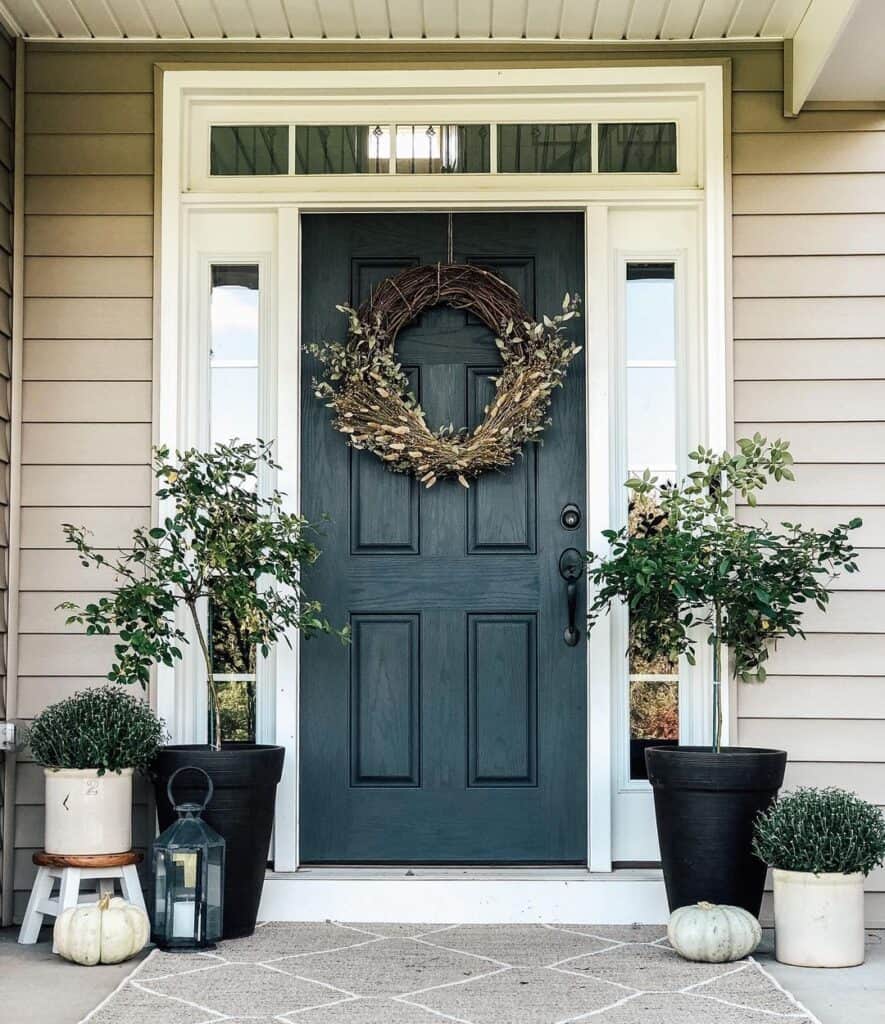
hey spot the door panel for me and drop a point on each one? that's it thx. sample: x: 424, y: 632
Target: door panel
x: 502, y: 697
x: 384, y: 700
x: 452, y: 729
x: 501, y: 507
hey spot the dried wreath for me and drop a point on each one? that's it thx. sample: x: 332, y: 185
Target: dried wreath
x: 374, y: 407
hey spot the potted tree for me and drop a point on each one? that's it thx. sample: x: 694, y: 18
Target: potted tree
x: 221, y: 552
x: 693, y: 574
x: 89, y: 745
x: 822, y: 843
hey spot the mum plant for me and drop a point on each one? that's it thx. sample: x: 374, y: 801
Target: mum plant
x: 104, y: 728
x: 821, y: 844
x: 820, y: 831
x: 689, y: 571
x: 220, y: 544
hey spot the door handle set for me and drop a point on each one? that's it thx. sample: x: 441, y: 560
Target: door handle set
x: 571, y: 568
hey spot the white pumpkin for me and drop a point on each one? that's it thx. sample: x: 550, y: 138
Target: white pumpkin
x: 108, y: 932
x: 713, y: 934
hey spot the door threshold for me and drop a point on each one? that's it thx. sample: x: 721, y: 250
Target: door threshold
x: 465, y: 871
x: 469, y: 895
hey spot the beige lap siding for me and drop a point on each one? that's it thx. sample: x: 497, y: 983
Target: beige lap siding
x: 87, y: 368
x: 809, y: 281
x: 809, y: 327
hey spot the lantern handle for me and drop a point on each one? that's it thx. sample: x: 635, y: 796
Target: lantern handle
x: 190, y: 768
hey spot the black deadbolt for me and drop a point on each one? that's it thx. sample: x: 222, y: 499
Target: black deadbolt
x: 570, y: 517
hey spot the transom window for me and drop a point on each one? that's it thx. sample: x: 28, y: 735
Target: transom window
x: 259, y: 150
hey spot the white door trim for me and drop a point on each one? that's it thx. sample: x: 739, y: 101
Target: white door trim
x: 484, y: 94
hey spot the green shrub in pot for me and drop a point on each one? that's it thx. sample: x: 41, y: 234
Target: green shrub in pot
x: 89, y: 745
x: 821, y: 843
x: 691, y: 573
x: 225, y: 549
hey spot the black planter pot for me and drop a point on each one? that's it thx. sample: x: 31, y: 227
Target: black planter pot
x: 637, y: 755
x: 705, y: 805
x: 245, y: 776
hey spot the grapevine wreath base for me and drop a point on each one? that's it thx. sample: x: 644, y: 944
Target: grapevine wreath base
x: 374, y: 407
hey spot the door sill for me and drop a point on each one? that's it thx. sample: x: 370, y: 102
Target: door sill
x: 470, y: 895
x: 568, y: 872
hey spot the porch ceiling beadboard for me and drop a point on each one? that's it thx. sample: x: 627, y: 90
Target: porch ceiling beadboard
x: 809, y: 205
x: 600, y: 20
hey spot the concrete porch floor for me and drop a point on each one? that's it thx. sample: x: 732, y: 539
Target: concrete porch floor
x: 39, y: 988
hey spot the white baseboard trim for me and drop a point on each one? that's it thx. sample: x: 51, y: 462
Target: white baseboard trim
x: 470, y: 896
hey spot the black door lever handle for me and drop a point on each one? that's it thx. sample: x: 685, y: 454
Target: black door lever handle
x: 571, y: 565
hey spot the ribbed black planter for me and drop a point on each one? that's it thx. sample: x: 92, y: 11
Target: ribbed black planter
x: 705, y: 805
x: 245, y: 776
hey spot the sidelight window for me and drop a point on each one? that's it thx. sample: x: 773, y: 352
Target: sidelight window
x: 651, y: 412
x: 234, y: 322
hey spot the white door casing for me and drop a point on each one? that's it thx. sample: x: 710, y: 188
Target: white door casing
x: 628, y: 217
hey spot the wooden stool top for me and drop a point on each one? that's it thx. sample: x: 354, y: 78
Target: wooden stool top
x: 100, y: 860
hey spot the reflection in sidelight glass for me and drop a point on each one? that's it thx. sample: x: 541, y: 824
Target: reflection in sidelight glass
x: 544, y: 148
x: 638, y: 148
x: 650, y: 318
x: 233, y: 357
x: 342, y: 149
x: 442, y: 148
x: 651, y: 414
x: 249, y: 149
x: 366, y: 149
x: 233, y: 413
x: 550, y: 148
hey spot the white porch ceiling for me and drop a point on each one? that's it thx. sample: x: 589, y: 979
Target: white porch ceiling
x: 855, y: 70
x: 535, y: 20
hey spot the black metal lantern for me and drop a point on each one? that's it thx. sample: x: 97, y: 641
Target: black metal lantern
x: 187, y: 863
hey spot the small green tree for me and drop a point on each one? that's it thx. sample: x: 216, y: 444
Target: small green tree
x: 220, y: 541
x: 686, y: 568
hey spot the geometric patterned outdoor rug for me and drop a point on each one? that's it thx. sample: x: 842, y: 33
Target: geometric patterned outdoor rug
x: 289, y: 973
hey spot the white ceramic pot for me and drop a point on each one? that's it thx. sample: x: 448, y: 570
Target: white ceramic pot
x: 87, y: 812
x: 818, y: 919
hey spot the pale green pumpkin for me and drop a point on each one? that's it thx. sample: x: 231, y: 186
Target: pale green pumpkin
x: 713, y: 934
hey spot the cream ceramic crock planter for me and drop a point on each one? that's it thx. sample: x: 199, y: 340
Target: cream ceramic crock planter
x: 88, y: 813
x: 818, y: 919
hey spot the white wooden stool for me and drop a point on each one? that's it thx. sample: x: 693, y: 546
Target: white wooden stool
x: 71, y: 871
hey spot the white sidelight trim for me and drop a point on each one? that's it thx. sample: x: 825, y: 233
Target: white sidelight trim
x: 287, y: 658
x: 258, y: 220
x: 599, y: 428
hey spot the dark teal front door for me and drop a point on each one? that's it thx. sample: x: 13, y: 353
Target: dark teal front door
x: 453, y: 728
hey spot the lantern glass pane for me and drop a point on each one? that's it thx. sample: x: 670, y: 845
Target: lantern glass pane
x: 214, y: 892
x: 159, y: 901
x: 186, y: 909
